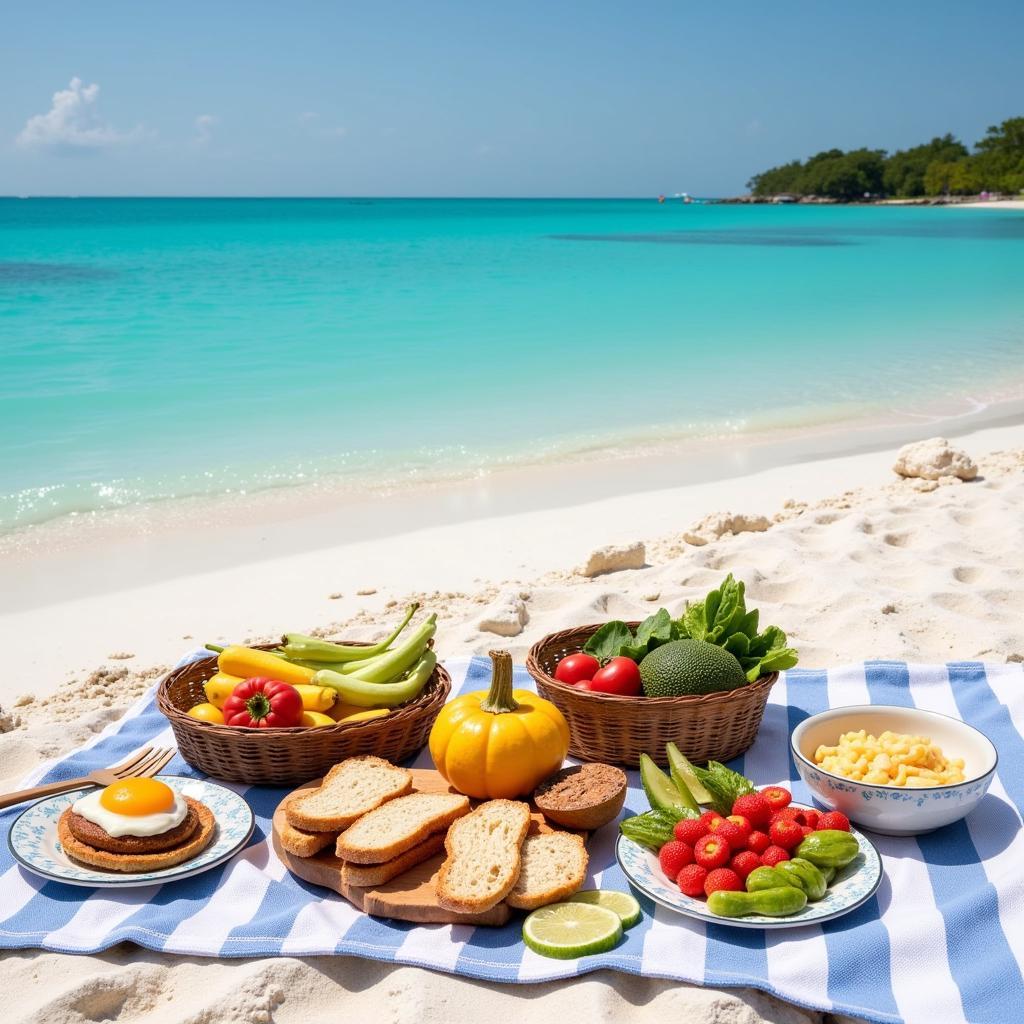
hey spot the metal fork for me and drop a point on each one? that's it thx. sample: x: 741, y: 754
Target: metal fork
x: 143, y: 763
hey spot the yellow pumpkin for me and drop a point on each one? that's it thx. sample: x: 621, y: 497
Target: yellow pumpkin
x: 500, y: 742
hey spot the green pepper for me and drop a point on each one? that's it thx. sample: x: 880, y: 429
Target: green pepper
x: 299, y: 647
x: 777, y: 902
x: 828, y: 873
x: 765, y: 877
x: 804, y: 875
x: 830, y: 848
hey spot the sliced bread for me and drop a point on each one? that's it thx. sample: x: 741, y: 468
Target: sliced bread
x: 397, y: 826
x: 348, y: 791
x: 364, y: 876
x: 554, y: 866
x: 301, y: 843
x: 483, y: 856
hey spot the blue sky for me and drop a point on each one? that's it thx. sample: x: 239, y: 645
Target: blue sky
x: 461, y: 98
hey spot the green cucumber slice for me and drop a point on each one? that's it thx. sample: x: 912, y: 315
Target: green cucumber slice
x: 661, y: 791
x: 682, y: 771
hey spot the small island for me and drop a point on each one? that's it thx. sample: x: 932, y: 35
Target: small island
x: 942, y: 170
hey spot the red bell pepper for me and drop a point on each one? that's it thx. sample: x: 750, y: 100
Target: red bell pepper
x: 260, y: 703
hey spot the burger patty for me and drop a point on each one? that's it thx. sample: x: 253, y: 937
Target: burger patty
x: 89, y: 832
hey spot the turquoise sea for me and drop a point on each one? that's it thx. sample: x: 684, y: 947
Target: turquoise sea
x: 155, y: 348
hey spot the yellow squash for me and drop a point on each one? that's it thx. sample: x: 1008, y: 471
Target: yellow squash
x: 499, y: 743
x: 247, y: 663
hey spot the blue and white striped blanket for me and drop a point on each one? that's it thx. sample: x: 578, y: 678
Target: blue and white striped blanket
x: 943, y: 940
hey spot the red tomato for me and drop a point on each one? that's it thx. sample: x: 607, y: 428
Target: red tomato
x: 620, y: 676
x: 576, y: 668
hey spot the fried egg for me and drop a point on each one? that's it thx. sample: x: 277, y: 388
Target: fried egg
x: 133, y: 807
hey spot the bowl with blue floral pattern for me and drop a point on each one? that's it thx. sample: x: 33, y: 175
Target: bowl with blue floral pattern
x: 33, y: 838
x: 895, y: 810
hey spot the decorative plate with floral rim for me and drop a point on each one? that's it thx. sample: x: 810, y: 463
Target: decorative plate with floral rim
x: 33, y: 838
x: 852, y: 886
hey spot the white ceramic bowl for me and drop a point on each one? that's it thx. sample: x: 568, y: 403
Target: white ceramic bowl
x: 895, y: 810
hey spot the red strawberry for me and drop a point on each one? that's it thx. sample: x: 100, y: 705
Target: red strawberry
x: 786, y: 834
x: 712, y: 852
x: 809, y: 816
x: 755, y: 808
x: 777, y: 797
x: 708, y: 817
x: 806, y: 830
x: 689, y: 830
x: 744, y: 862
x: 674, y: 856
x: 774, y: 855
x: 758, y: 842
x: 722, y: 878
x: 786, y: 814
x: 691, y: 880
x: 730, y: 832
x: 834, y: 819
x: 743, y: 824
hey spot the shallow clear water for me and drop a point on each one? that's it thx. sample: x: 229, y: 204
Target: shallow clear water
x: 162, y: 347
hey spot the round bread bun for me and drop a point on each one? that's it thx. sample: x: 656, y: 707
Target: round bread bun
x: 132, y: 862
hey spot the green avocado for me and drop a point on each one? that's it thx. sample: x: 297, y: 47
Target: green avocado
x: 684, y: 668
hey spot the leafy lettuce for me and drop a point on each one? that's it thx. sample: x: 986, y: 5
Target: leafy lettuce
x: 721, y: 619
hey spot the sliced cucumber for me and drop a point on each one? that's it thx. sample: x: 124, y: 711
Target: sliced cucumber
x: 684, y: 775
x: 660, y: 789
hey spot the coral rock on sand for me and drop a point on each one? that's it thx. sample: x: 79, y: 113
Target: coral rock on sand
x: 718, y: 524
x: 615, y: 558
x: 506, y: 616
x: 934, y: 459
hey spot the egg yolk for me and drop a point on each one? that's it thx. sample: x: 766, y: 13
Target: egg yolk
x: 135, y: 797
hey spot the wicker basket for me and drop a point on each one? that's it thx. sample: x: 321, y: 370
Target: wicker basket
x: 603, y: 727
x: 283, y: 757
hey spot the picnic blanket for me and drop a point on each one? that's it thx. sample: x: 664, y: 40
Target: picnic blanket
x: 942, y: 940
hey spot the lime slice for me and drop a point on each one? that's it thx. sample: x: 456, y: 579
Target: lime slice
x: 620, y: 903
x: 568, y: 930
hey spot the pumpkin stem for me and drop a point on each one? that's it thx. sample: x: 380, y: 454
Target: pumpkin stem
x: 499, y: 698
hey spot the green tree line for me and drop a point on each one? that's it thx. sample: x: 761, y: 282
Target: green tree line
x: 943, y: 166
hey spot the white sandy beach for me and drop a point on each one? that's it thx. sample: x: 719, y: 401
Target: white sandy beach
x: 856, y: 563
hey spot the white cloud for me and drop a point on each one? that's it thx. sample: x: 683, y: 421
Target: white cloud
x: 308, y: 115
x: 71, y: 123
x: 204, y: 128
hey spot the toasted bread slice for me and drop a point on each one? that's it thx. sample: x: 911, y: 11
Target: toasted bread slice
x: 399, y: 825
x: 554, y: 866
x: 483, y: 856
x: 348, y: 791
x: 364, y: 876
x: 133, y: 862
x: 302, y: 843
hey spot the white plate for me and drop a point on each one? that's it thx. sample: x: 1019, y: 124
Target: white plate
x: 852, y: 886
x: 33, y: 838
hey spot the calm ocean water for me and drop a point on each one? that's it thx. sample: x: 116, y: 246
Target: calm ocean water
x: 156, y: 348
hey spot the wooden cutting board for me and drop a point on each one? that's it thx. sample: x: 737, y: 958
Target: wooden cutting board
x: 409, y: 897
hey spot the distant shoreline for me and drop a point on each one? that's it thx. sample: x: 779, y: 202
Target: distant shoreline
x: 965, y: 202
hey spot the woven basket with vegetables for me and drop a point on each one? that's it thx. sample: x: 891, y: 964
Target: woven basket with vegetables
x: 700, y: 681
x: 282, y: 714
